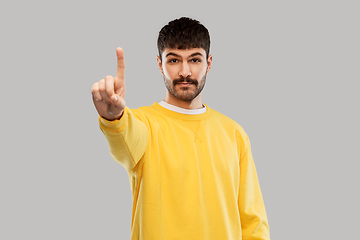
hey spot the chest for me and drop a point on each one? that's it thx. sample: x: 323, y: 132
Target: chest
x: 190, y: 149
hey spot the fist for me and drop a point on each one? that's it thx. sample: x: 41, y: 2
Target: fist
x: 109, y: 93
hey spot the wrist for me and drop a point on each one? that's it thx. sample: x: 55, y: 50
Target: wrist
x: 113, y: 117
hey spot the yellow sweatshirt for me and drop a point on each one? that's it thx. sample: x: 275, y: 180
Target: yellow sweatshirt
x: 192, y: 176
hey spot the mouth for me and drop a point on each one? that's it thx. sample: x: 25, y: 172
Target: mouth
x: 184, y: 84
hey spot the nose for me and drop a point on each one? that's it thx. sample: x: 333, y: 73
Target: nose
x: 185, y: 70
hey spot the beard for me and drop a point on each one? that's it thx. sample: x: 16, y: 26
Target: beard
x: 186, y: 94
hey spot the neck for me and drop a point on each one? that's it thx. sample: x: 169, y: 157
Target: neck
x: 196, y: 103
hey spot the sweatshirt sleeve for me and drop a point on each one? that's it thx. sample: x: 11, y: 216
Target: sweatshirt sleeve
x: 127, y: 138
x: 253, y: 217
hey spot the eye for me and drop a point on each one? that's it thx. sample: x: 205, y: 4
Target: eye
x: 195, y: 60
x: 173, y: 61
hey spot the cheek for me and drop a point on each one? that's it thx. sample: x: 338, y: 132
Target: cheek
x: 169, y: 72
x: 200, y: 72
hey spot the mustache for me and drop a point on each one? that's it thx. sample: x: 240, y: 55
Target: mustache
x: 185, y: 79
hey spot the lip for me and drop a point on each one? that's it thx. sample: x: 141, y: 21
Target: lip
x: 185, y: 84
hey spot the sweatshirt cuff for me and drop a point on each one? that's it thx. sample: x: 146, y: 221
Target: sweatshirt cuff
x: 115, y: 126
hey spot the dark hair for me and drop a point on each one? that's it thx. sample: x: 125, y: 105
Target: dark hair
x: 184, y: 33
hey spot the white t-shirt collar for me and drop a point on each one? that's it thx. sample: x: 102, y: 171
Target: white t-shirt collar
x: 182, y: 110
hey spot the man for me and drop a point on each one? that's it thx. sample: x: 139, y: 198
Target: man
x: 190, y: 168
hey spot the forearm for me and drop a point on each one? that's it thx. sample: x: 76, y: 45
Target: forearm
x: 253, y: 216
x: 127, y: 138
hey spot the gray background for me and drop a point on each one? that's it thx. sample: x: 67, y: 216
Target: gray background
x: 287, y: 71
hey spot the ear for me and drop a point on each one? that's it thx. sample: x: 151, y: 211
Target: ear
x: 160, y: 64
x: 209, y: 61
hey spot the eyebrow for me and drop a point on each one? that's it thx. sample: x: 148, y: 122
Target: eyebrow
x: 176, y: 55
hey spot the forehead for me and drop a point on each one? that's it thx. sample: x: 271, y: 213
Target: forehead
x: 184, y: 53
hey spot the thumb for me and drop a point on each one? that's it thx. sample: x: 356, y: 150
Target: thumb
x: 118, y: 102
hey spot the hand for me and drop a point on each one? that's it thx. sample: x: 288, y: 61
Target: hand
x: 109, y: 93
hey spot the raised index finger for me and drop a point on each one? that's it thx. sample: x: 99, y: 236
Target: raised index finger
x: 121, y: 64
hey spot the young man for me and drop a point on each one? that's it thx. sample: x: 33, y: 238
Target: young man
x: 190, y: 168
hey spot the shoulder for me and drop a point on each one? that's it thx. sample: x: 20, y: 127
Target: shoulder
x: 236, y: 130
x: 229, y: 123
x: 144, y: 111
x: 147, y: 114
x: 225, y: 119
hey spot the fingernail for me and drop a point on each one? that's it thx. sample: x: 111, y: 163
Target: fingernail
x: 115, y: 98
